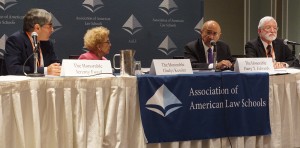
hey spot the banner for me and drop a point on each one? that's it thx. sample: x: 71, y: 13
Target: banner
x: 204, y: 106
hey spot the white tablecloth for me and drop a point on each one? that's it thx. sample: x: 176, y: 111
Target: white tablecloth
x: 104, y: 112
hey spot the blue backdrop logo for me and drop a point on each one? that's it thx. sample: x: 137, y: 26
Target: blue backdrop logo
x: 56, y: 24
x: 199, y: 26
x: 132, y: 25
x: 5, y: 4
x: 167, y: 46
x: 168, y: 6
x: 93, y: 5
x: 163, y: 102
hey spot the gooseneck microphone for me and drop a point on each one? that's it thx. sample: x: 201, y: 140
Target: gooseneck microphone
x: 213, y: 43
x: 34, y: 36
x: 286, y: 42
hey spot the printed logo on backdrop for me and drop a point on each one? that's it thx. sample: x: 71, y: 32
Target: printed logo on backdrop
x: 91, y: 20
x: 167, y: 46
x: 56, y: 24
x: 132, y: 26
x: 5, y: 4
x: 168, y: 6
x: 2, y: 45
x: 93, y: 5
x: 163, y: 102
x: 199, y: 26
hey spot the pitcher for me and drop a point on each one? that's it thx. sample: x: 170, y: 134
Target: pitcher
x: 126, y: 62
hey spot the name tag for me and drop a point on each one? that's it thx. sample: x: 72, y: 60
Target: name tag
x: 254, y: 65
x: 85, y: 67
x: 170, y: 66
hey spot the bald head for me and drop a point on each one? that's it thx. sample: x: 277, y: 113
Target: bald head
x: 211, y: 25
x: 211, y: 30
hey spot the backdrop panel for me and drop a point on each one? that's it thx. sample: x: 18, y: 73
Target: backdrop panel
x: 154, y: 28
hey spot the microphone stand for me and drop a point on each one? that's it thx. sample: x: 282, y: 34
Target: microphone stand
x: 35, y: 59
x: 215, y: 58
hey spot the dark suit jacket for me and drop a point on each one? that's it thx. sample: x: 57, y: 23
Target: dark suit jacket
x: 283, y: 53
x: 19, y: 48
x: 195, y: 52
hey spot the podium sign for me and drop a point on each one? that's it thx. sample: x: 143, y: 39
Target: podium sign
x: 85, y: 67
x: 254, y: 65
x: 170, y: 67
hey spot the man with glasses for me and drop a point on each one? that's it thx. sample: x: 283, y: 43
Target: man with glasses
x: 268, y: 45
x: 200, y: 51
x: 20, y: 46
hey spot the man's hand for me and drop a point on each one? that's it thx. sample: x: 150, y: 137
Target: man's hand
x: 224, y: 64
x: 280, y: 65
x: 54, y: 69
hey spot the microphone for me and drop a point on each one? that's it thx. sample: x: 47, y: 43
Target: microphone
x: 286, y: 42
x: 34, y: 36
x: 213, y: 43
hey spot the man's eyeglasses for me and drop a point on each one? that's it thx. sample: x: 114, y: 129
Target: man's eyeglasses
x: 268, y: 28
x: 209, y: 33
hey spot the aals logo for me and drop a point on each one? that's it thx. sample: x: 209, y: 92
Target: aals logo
x: 199, y: 26
x: 132, y: 25
x: 5, y: 4
x: 163, y: 102
x: 2, y: 46
x: 167, y: 46
x: 93, y: 5
x: 56, y: 24
x: 168, y: 6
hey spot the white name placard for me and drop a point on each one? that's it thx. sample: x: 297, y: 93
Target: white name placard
x: 85, y: 67
x: 171, y: 66
x: 254, y: 65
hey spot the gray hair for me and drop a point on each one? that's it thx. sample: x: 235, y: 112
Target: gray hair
x: 265, y: 19
x: 36, y: 16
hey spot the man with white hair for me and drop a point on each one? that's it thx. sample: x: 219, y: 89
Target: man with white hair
x: 268, y: 45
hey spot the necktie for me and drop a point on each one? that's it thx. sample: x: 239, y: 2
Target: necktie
x: 269, y: 51
x: 210, y: 56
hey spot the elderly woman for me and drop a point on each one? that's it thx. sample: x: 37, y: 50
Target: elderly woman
x: 96, y: 42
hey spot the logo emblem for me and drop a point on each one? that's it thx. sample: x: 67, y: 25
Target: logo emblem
x: 199, y: 26
x: 167, y: 46
x: 168, y: 6
x: 132, y: 25
x: 93, y: 5
x: 5, y: 4
x: 2, y: 46
x: 56, y: 24
x: 163, y: 102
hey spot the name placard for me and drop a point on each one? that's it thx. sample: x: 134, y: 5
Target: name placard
x: 85, y: 67
x: 170, y: 66
x: 254, y: 65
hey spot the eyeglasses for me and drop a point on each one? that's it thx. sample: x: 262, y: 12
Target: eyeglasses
x: 268, y: 28
x: 209, y: 33
x: 49, y: 25
x: 108, y: 42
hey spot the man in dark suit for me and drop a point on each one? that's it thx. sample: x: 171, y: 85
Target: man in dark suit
x: 199, y: 51
x: 19, y: 46
x: 268, y: 45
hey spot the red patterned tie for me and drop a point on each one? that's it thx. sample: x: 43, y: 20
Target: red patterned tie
x: 269, y: 51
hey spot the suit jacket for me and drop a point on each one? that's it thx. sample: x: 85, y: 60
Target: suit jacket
x: 195, y: 52
x: 283, y: 53
x: 19, y: 48
x: 89, y: 56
